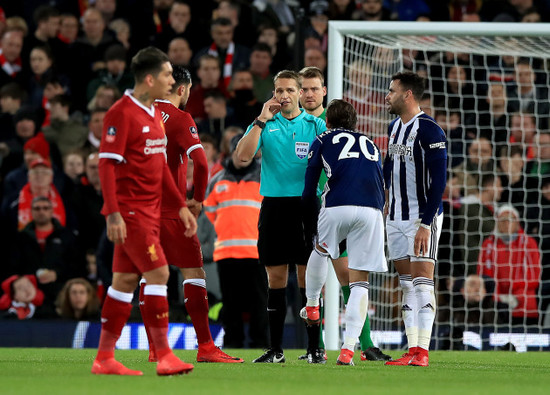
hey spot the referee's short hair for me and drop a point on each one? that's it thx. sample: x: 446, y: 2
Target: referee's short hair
x: 341, y: 114
x: 290, y: 75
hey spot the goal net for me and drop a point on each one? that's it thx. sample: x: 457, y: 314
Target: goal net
x: 488, y: 88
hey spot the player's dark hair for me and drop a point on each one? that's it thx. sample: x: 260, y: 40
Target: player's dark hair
x: 148, y: 61
x: 411, y: 81
x: 309, y: 72
x: 181, y: 75
x: 290, y: 75
x: 341, y: 114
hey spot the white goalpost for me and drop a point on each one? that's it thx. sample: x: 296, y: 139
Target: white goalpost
x: 488, y: 84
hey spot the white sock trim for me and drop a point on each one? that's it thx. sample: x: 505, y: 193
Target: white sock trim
x: 199, y: 282
x: 155, y: 290
x: 119, y: 295
x: 312, y: 302
x: 142, y: 281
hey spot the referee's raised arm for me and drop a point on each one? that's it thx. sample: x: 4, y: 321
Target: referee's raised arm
x: 246, y: 149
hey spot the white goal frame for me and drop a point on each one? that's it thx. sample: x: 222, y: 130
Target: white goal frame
x: 335, y: 82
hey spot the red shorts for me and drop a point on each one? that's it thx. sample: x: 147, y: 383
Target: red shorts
x: 141, y: 251
x: 181, y: 251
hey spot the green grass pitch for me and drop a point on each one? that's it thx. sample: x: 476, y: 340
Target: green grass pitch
x: 67, y: 371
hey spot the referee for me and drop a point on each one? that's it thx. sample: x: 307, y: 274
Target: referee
x: 284, y: 133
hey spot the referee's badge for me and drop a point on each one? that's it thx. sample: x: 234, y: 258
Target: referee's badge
x: 301, y: 149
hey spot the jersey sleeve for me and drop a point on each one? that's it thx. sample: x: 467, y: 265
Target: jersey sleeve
x: 321, y: 126
x: 434, y: 143
x: 189, y: 142
x: 114, y: 135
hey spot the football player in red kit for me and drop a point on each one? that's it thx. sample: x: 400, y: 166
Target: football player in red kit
x: 134, y: 177
x: 185, y: 252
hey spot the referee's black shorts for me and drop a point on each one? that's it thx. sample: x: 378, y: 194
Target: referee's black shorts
x: 281, y: 233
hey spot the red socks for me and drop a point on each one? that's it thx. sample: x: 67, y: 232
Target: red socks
x: 114, y: 315
x: 196, y: 303
x: 154, y: 311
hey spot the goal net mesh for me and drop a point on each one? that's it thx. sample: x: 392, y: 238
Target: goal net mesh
x: 490, y: 95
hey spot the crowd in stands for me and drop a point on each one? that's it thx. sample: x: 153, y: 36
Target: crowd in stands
x: 64, y: 63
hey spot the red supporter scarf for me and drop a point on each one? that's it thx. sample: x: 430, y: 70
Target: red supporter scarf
x: 228, y: 64
x: 46, y: 107
x: 10, y: 68
x: 25, y: 201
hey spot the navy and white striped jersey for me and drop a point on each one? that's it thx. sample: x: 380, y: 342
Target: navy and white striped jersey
x: 415, y: 168
x: 353, y: 165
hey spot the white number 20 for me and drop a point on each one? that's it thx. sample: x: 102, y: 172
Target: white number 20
x: 346, y: 151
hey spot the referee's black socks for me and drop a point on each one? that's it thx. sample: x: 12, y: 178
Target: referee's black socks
x: 276, y: 311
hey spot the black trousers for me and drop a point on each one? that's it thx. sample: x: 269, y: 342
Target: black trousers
x: 243, y: 284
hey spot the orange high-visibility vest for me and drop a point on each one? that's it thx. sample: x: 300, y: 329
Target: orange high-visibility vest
x: 234, y: 207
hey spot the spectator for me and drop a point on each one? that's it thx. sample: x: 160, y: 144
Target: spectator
x: 230, y: 55
x: 122, y: 31
x: 40, y: 183
x: 478, y: 161
x: 180, y: 54
x: 218, y: 115
x: 41, y: 61
x: 88, y: 54
x: 538, y: 226
x: 341, y: 10
x: 21, y: 297
x: 225, y: 144
x: 474, y: 305
x: 105, y: 96
x: 46, y: 248
x: 371, y: 10
x: 87, y: 201
x: 107, y: 8
x: 78, y: 301
x: 512, y: 259
x: 46, y: 19
x: 523, y: 130
x: 25, y: 128
x: 318, y: 29
x: 495, y: 120
x: 73, y: 165
x: 209, y: 80
x: 476, y: 221
x: 450, y: 123
x: 10, y: 58
x: 242, y: 279
x: 540, y: 165
x: 242, y: 18
x: 267, y: 34
x: 527, y: 95
x: 68, y: 28
x: 180, y: 24
x: 316, y: 58
x: 95, y: 128
x: 260, y: 62
x: 11, y: 98
x: 243, y: 101
x: 518, y: 188
x: 65, y: 132
x: 211, y: 149
x: 114, y: 73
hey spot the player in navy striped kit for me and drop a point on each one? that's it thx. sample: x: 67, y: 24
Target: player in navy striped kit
x: 415, y: 177
x: 352, y: 204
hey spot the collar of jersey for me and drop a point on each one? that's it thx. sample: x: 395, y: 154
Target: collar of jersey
x: 293, y: 120
x: 412, y: 119
x: 150, y: 111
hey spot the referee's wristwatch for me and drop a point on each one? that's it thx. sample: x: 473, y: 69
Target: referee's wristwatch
x: 259, y: 123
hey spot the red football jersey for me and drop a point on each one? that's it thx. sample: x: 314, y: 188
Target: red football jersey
x: 134, y: 136
x: 182, y: 139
